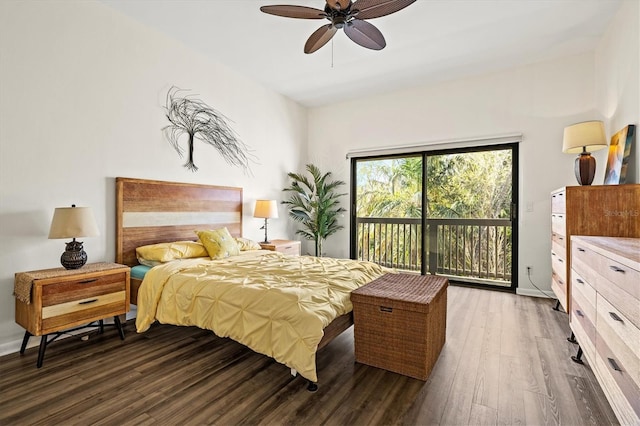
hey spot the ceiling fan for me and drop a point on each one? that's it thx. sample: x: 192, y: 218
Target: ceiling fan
x: 343, y: 14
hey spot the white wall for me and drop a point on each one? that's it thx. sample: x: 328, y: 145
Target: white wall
x: 537, y: 101
x: 81, y: 95
x: 618, y: 77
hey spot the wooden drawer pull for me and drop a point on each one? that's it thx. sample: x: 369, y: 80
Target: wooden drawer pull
x: 579, y: 281
x: 560, y: 238
x: 615, y: 317
x: 614, y: 364
x: 385, y: 309
x: 88, y: 281
x: 86, y: 302
x: 560, y: 260
x: 616, y: 269
x: 560, y: 282
x: 579, y: 313
x: 581, y: 249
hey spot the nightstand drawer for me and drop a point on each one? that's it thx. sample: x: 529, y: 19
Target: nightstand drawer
x: 57, y: 293
x: 283, y: 246
x: 83, y: 310
x: 290, y: 249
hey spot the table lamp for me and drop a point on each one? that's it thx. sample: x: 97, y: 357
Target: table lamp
x: 582, y: 138
x: 267, y: 209
x: 73, y: 222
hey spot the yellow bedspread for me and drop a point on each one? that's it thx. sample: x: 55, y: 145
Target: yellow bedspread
x: 275, y: 304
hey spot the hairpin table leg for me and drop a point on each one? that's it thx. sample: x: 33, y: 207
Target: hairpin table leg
x: 116, y: 320
x: 572, y: 338
x: 578, y: 357
x: 557, y: 307
x: 25, y: 340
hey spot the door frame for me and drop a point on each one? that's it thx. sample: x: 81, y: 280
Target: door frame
x: 515, y: 203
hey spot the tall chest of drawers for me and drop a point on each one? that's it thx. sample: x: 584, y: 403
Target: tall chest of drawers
x: 605, y: 317
x: 600, y: 210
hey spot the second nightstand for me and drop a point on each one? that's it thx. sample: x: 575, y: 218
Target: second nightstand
x: 52, y: 300
x: 283, y: 246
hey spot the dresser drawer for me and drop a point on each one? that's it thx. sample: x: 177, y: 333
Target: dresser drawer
x: 583, y: 326
x: 558, y: 242
x: 559, y: 266
x: 559, y: 223
x: 558, y: 202
x: 559, y: 288
x: 583, y: 314
x: 621, y: 337
x: 623, y: 400
x: 585, y: 291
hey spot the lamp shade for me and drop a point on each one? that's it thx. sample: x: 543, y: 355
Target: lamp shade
x: 586, y: 136
x: 73, y: 222
x: 267, y: 209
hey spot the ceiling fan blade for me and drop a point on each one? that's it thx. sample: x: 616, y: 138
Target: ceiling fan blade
x: 319, y: 38
x: 339, y: 4
x: 301, y: 12
x: 365, y: 34
x: 369, y: 9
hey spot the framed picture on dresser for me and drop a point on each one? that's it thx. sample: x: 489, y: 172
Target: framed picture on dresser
x: 619, y: 156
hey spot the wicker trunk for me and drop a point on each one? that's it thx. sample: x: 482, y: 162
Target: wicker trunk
x: 400, y: 323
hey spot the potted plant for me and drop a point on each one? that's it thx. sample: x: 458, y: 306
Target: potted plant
x: 314, y: 203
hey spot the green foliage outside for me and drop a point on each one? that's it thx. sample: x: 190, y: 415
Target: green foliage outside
x: 465, y: 185
x: 471, y: 185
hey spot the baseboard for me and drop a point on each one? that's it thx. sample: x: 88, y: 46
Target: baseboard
x: 534, y: 293
x: 14, y: 346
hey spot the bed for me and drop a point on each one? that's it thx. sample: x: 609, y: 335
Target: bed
x: 300, y: 303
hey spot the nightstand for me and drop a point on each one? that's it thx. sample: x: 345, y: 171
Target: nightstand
x: 283, y: 246
x: 52, y: 300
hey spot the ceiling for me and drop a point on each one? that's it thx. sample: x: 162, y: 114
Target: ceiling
x: 427, y: 42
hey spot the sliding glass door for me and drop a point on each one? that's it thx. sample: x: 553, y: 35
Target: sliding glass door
x: 441, y: 212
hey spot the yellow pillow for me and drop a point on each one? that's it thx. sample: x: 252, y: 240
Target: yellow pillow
x: 166, y: 252
x: 219, y: 243
x: 245, y: 244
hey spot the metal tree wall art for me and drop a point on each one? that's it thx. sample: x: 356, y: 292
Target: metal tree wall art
x: 197, y: 120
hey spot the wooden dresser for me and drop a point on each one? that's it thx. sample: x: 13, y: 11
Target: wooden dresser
x: 607, y: 210
x: 605, y: 317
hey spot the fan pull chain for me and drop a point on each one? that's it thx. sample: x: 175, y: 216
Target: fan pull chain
x: 331, y: 53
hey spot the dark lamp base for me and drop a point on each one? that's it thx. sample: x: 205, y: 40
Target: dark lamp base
x: 585, y: 168
x: 74, y: 256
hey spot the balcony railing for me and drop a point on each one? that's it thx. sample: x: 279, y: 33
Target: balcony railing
x: 474, y: 250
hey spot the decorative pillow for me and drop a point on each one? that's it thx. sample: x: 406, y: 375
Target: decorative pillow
x: 155, y: 254
x: 245, y: 244
x: 219, y: 243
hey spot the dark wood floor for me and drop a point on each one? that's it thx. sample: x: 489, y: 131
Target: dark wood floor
x: 506, y: 361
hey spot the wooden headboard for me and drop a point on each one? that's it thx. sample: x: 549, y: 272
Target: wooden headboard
x: 151, y: 211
